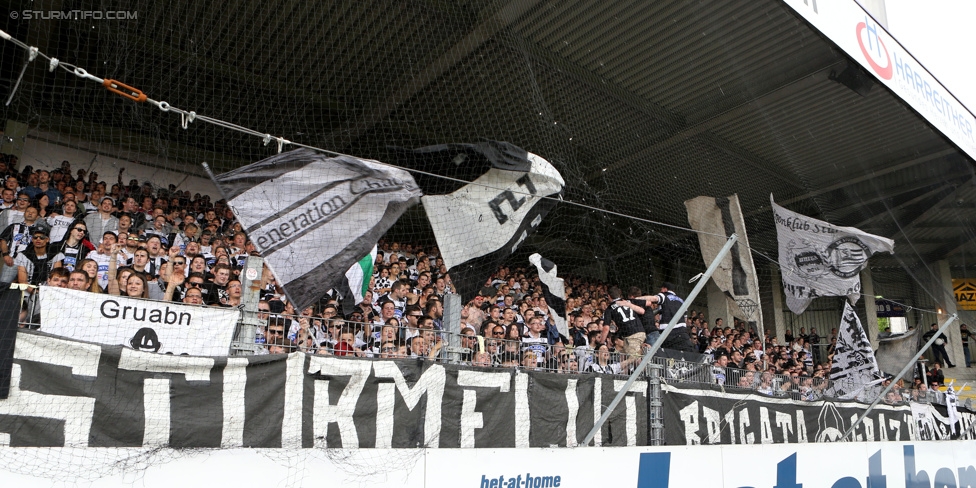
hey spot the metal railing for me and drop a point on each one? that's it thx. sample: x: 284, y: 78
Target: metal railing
x: 278, y: 333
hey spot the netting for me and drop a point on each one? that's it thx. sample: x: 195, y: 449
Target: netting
x: 639, y: 108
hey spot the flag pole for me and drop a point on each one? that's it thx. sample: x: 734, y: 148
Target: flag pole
x: 910, y: 365
x: 664, y: 335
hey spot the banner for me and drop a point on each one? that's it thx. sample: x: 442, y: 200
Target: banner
x: 854, y: 367
x: 9, y: 312
x: 69, y: 393
x: 820, y: 259
x: 736, y: 275
x: 145, y: 325
x: 479, y: 224
x: 312, y: 216
x: 713, y: 416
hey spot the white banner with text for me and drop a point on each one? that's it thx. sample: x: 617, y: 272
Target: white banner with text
x: 145, y: 325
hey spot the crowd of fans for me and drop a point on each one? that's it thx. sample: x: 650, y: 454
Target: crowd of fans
x: 68, y: 228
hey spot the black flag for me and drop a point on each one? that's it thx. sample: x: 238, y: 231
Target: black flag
x: 479, y: 224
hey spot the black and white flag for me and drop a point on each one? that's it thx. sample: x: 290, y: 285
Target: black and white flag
x: 854, y: 367
x: 477, y: 225
x: 736, y: 276
x: 312, y: 216
x: 554, y: 291
x: 821, y: 259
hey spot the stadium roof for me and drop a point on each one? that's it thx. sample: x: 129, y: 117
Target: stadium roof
x: 641, y: 105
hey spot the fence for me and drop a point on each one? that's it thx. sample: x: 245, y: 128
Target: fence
x: 279, y: 333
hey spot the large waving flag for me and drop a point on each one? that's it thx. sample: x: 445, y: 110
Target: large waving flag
x: 479, y: 224
x: 553, y: 289
x: 312, y: 216
x: 736, y: 275
x: 819, y: 259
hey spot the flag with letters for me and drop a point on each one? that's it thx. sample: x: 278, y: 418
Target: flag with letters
x: 312, y: 216
x: 819, y: 259
x: 554, y: 291
x: 489, y: 197
x: 717, y: 217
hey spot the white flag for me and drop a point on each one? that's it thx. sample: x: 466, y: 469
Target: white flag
x: 312, y: 216
x: 854, y: 366
x: 951, y: 408
x: 821, y: 259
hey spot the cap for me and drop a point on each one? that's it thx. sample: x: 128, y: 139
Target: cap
x: 41, y: 230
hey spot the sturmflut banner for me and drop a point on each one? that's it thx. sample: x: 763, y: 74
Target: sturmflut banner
x: 70, y: 393
x: 695, y: 415
x: 312, y: 216
x: 820, y: 259
x: 146, y: 325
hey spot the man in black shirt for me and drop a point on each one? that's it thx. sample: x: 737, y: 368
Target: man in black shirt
x: 966, y: 334
x: 629, y: 326
x: 668, y: 305
x: 938, y: 347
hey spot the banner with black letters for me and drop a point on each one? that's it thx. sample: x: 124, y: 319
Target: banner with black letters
x: 697, y: 415
x: 71, y: 393
x: 146, y: 325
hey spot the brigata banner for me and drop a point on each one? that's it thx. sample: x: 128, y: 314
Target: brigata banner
x: 710, y: 416
x: 146, y: 325
x: 75, y: 394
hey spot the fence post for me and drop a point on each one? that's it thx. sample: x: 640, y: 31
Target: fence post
x: 660, y: 340
x: 244, y: 337
x: 655, y: 406
x: 452, y: 326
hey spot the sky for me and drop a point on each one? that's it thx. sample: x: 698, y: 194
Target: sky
x: 942, y: 36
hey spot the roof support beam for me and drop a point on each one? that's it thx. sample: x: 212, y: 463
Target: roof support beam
x: 904, y: 229
x: 410, y: 85
x: 765, y: 99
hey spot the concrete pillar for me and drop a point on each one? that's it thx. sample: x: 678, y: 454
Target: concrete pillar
x: 776, y: 285
x: 870, y: 308
x: 877, y: 9
x: 718, y: 305
x: 946, y: 301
